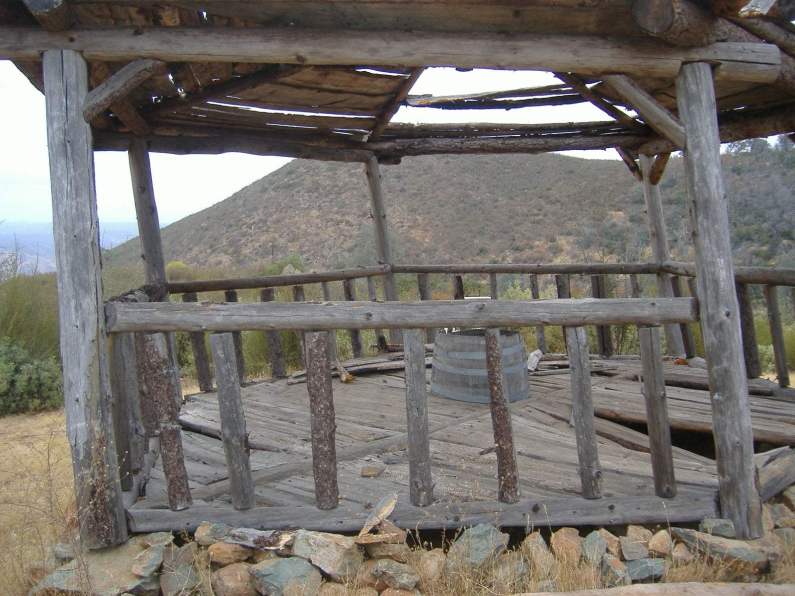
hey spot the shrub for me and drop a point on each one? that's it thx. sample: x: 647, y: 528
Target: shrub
x: 27, y: 384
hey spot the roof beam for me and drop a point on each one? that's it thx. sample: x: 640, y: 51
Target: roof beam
x: 503, y: 100
x: 53, y: 15
x: 394, y: 104
x: 751, y: 62
x: 597, y: 100
x: 119, y: 85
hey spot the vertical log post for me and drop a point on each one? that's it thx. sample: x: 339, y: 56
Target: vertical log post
x: 719, y: 312
x: 425, y: 294
x: 231, y: 296
x: 507, y: 476
x: 124, y: 390
x: 233, y: 421
x: 688, y: 341
x: 298, y: 296
x: 332, y: 336
x: 201, y: 359
x: 582, y: 412
x: 603, y: 335
x: 493, y: 289
x: 541, y: 338
x: 659, y: 429
x: 753, y: 368
x: 372, y: 294
x: 776, y: 335
x: 458, y: 287
x: 634, y: 286
x: 349, y: 289
x: 146, y: 214
x: 659, y: 246
x: 322, y: 420
x: 563, y: 288
x: 273, y: 340
x: 83, y: 340
x: 419, y: 451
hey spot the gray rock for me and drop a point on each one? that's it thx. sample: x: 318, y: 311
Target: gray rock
x: 632, y: 551
x: 156, y: 538
x: 788, y: 497
x: 395, y: 575
x: 63, y: 552
x: 209, y: 533
x: 148, y: 561
x: 285, y: 577
x: 645, y: 569
x: 787, y: 535
x: 337, y: 556
x: 593, y: 547
x: 476, y: 547
x: 614, y: 572
x: 748, y: 556
x: 717, y: 527
x: 178, y: 575
x: 510, y: 569
x: 382, y: 550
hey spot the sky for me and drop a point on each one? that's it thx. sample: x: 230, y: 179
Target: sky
x: 187, y: 184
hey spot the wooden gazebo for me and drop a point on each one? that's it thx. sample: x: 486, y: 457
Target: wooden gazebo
x: 321, y: 80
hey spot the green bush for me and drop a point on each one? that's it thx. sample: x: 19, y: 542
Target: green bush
x: 29, y: 313
x: 27, y: 384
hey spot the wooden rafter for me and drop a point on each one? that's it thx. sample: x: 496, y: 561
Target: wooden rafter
x: 394, y: 104
x: 506, y: 100
x: 53, y: 15
x: 630, y: 162
x: 118, y: 85
x: 124, y: 110
x: 597, y: 100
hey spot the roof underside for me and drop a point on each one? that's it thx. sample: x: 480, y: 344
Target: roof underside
x: 350, y: 106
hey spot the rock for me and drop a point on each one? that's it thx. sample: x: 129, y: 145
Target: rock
x: 746, y: 555
x: 395, y: 575
x: 567, y: 545
x: 533, y: 359
x: 783, y: 517
x: 263, y: 555
x: 613, y: 543
x: 681, y: 555
x: 717, y: 527
x: 337, y: 556
x: 372, y: 471
x: 275, y: 540
x: 639, y: 534
x: 383, y: 550
x: 593, y: 547
x: 509, y: 570
x: 430, y: 566
x: 223, y: 553
x: 538, y: 553
x: 63, y: 552
x: 234, y: 580
x: 156, y: 538
x: 614, y: 572
x: 363, y: 592
x: 476, y: 547
x: 148, y: 561
x: 290, y: 576
x: 767, y: 518
x: 209, y: 533
x: 786, y: 535
x: 645, y: 569
x: 365, y: 577
x: 631, y: 550
x: 661, y: 544
x: 178, y: 575
x: 697, y: 362
x: 788, y: 497
x: 332, y: 589
x: 385, y: 531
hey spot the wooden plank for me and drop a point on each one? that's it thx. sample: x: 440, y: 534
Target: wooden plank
x: 274, y: 341
x: 233, y: 422
x: 541, y: 339
x: 420, y: 478
x: 753, y: 368
x: 718, y: 302
x: 119, y: 85
x: 201, y: 359
x: 349, y: 290
x: 507, y: 475
x: 230, y: 296
x: 659, y: 429
x: 776, y: 335
x: 321, y: 407
x: 776, y: 475
x: 398, y: 315
x: 582, y: 412
x: 87, y: 391
x: 394, y: 104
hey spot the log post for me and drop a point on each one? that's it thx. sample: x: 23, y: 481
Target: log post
x: 273, y: 339
x: 688, y: 341
x: 349, y: 289
x: 659, y: 246
x: 424, y: 292
x: 776, y: 335
x: 604, y: 339
x: 372, y: 294
x: 233, y: 421
x: 493, y: 289
x: 563, y: 288
x: 201, y: 359
x: 124, y: 389
x: 237, y: 336
x: 332, y: 336
x: 458, y: 287
x: 83, y: 340
x: 419, y: 451
x: 507, y: 476
x: 719, y: 312
x: 298, y: 296
x: 634, y: 286
x: 753, y: 368
x: 582, y: 412
x: 659, y: 429
x: 541, y: 338
x: 322, y: 420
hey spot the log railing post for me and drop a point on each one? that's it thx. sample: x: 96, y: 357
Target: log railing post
x: 124, y: 391
x: 688, y: 341
x: 583, y: 412
x: 507, y: 475
x: 424, y: 292
x: 349, y: 289
x: 201, y: 360
x: 634, y: 286
x: 298, y: 296
x: 273, y: 339
x: 753, y: 369
x: 541, y: 339
x: 563, y: 289
x: 372, y: 294
x: 420, y: 480
x: 231, y: 296
x: 494, y: 291
x: 322, y: 421
x: 659, y: 430
x: 458, y: 287
x: 719, y: 311
x: 604, y: 339
x: 332, y: 335
x: 776, y: 335
x: 233, y: 421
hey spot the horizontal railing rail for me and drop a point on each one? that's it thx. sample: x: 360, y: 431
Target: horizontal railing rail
x: 536, y: 268
x: 747, y: 275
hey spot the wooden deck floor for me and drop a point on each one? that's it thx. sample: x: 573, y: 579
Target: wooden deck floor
x: 370, y: 415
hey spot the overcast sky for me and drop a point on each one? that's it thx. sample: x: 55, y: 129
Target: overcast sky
x: 186, y: 184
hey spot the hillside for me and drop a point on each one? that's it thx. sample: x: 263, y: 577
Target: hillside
x: 478, y: 209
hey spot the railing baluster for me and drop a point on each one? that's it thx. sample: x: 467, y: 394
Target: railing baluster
x: 372, y: 294
x: 582, y: 412
x: 273, y: 339
x: 425, y: 294
x: 776, y: 335
x: 634, y: 286
x: 420, y: 480
x: 233, y: 421
x: 687, y: 334
x: 349, y: 288
x: 493, y: 289
x: 458, y: 287
x: 541, y: 337
x: 231, y: 296
x: 753, y: 368
x: 322, y: 421
x: 124, y: 390
x: 603, y: 338
x: 332, y: 335
x: 298, y: 296
x: 507, y: 476
x: 659, y: 429
x: 201, y: 360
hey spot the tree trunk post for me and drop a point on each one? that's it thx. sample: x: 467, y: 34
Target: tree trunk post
x: 83, y: 339
x: 298, y: 296
x: 349, y: 288
x: 424, y: 292
x: 494, y: 291
x: 237, y: 336
x: 273, y: 339
x: 719, y: 311
x: 541, y: 338
x: 372, y: 294
x: 332, y: 335
x: 753, y: 368
x: 776, y: 335
x: 688, y: 341
x: 420, y: 479
x: 201, y: 359
x: 603, y: 334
